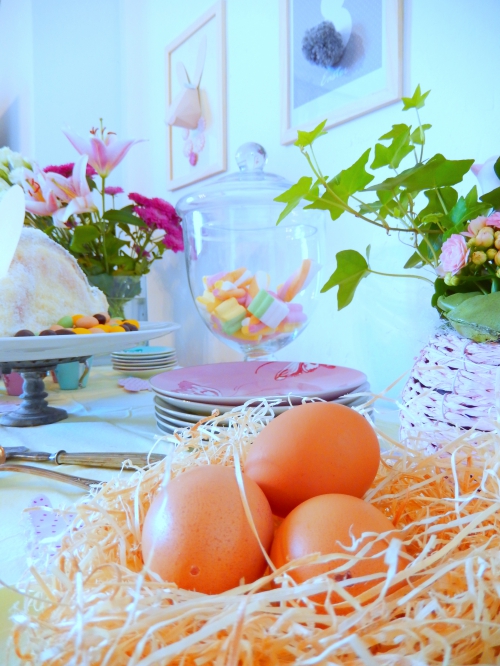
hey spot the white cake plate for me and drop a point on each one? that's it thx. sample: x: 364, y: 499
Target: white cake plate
x: 34, y: 356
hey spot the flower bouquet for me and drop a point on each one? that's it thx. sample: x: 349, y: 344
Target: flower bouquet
x: 455, y: 239
x: 74, y: 205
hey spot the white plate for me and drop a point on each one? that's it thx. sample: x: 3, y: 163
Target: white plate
x: 188, y: 408
x: 172, y: 415
x: 165, y: 429
x: 142, y: 359
x: 234, y: 383
x: 145, y: 366
x: 145, y: 352
x: 50, y: 347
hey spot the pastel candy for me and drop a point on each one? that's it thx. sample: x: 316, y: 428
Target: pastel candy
x: 298, y: 281
x: 231, y: 314
x: 270, y: 310
x: 212, y: 279
x: 208, y: 300
x: 260, y: 281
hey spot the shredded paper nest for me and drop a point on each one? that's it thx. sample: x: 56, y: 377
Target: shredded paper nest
x: 95, y: 604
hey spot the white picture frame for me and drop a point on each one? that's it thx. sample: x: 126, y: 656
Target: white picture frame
x: 204, y: 41
x: 341, y: 92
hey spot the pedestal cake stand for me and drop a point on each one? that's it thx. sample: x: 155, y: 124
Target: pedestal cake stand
x: 34, y: 356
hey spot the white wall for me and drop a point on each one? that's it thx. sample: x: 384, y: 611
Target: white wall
x: 77, y: 72
x: 16, y: 76
x: 450, y: 47
x: 106, y: 57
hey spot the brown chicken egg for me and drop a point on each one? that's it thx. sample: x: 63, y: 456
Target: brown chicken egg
x: 313, y: 449
x: 196, y: 533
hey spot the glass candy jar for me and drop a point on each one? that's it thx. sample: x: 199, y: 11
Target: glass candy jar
x: 255, y: 283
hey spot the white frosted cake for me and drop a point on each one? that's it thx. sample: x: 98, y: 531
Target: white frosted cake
x: 43, y: 284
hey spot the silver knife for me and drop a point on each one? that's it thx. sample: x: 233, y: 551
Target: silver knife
x: 97, y: 459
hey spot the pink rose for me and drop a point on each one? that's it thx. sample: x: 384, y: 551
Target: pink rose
x: 474, y: 227
x: 454, y: 255
x: 493, y: 220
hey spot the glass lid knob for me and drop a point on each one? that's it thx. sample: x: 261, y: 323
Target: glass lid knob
x: 251, y: 157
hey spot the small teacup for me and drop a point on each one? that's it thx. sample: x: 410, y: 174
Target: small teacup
x: 74, y: 375
x: 13, y: 383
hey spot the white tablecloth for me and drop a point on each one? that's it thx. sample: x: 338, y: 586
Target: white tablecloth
x: 102, y: 417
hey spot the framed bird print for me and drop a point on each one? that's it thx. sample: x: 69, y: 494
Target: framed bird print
x: 340, y: 59
x: 196, y: 100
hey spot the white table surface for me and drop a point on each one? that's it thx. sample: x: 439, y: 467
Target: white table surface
x: 102, y: 417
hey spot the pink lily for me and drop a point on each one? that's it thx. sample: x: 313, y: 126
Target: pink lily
x: 74, y: 191
x: 104, y: 153
x: 40, y: 198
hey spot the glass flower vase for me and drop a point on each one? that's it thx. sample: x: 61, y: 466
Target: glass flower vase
x: 122, y: 291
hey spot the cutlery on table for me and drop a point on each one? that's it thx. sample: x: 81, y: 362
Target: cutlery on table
x: 79, y: 481
x: 97, y: 459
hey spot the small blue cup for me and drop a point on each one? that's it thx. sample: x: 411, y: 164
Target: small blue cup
x: 73, y: 375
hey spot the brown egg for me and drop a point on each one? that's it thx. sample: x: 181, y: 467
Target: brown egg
x: 196, y: 533
x: 313, y: 449
x: 329, y: 524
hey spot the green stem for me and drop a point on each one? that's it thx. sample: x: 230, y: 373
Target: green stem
x: 416, y: 277
x: 341, y: 204
x: 441, y: 201
x: 422, y: 136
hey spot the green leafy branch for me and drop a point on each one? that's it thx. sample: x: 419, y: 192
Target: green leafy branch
x: 394, y: 202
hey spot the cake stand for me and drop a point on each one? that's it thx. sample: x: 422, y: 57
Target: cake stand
x: 34, y: 356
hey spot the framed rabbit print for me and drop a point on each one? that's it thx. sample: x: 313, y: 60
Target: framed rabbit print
x: 196, y: 100
x: 340, y: 59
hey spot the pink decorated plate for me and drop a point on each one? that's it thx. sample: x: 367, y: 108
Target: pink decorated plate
x: 234, y: 383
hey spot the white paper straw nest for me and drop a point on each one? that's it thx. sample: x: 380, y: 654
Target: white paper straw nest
x: 453, y: 387
x: 94, y: 604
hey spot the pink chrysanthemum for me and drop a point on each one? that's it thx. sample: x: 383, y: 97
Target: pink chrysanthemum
x: 66, y: 170
x: 159, y: 214
x: 112, y: 191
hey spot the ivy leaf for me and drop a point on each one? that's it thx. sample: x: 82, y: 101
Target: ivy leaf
x: 496, y: 168
x: 352, y: 267
x: 293, y: 196
x: 415, y: 102
x: 418, y: 135
x: 347, y: 182
x: 395, y: 132
x: 82, y: 236
x: 393, y: 154
x: 306, y: 138
x: 437, y: 172
x: 448, y: 303
x: 477, y: 318
x: 492, y: 198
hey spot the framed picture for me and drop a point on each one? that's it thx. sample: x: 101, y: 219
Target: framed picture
x: 196, y: 100
x: 340, y: 59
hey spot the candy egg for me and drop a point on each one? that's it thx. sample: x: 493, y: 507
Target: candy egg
x: 65, y: 331
x: 86, y: 322
x: 116, y: 329
x: 115, y: 322
x: 55, y: 327
x: 47, y: 331
x: 66, y: 322
x: 23, y: 333
x: 101, y: 318
x: 95, y: 329
x: 80, y: 331
x: 133, y: 322
x: 74, y: 318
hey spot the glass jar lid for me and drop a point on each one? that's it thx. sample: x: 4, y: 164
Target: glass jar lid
x: 251, y: 185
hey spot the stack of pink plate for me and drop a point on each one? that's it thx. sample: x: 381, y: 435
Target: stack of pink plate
x: 186, y: 395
